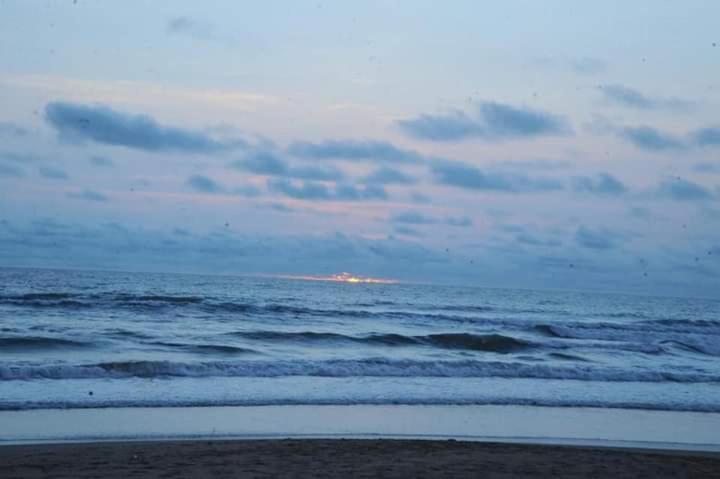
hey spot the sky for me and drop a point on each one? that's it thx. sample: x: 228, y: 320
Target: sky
x: 519, y: 144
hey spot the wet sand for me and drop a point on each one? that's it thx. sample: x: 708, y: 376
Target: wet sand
x: 345, y: 458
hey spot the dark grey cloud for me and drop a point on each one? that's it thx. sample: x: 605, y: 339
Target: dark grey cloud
x: 308, y: 190
x: 493, y: 121
x: 631, y: 98
x: 598, y: 239
x: 386, y: 176
x: 462, y: 175
x: 11, y: 129
x: 354, y: 150
x: 270, y: 164
x: 52, y: 173
x: 101, y: 161
x: 651, y: 139
x: 104, y: 125
x: 203, y: 184
x: 683, y: 190
x: 11, y: 171
x: 600, y: 184
x: 88, y: 195
x: 706, y: 137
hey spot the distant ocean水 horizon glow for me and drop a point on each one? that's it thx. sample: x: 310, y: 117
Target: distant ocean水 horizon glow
x: 341, y: 278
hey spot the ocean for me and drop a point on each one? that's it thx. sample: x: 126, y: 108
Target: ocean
x: 81, y: 339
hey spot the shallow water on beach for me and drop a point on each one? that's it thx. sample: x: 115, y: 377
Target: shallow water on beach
x: 85, y: 339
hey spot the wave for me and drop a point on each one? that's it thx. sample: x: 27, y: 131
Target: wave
x: 464, y: 341
x: 206, y: 348
x: 35, y: 343
x: 659, y: 404
x: 348, y: 368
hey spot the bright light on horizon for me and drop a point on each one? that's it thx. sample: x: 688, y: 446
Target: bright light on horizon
x: 342, y: 278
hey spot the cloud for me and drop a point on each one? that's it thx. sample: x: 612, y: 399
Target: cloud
x: 269, y: 164
x: 683, y: 190
x: 11, y: 129
x: 305, y: 191
x: 386, y: 176
x: 581, y: 66
x: 539, y: 165
x: 407, y: 231
x: 354, y: 150
x: 10, y: 171
x: 276, y: 207
x: 651, y: 139
x: 588, y: 65
x: 600, y: 184
x: 595, y: 238
x: 308, y: 190
x: 88, y: 195
x: 52, y: 173
x: 462, y: 175
x: 183, y: 25
x: 249, y: 191
x: 528, y: 239
x: 461, y: 221
x: 104, y: 125
x: 18, y: 157
x: 493, y: 121
x: 640, y: 212
x: 413, y: 218
x: 352, y: 193
x: 628, y: 97
x: 203, y: 184
x: 707, y: 167
x: 101, y: 161
x: 417, y: 218
x: 420, y: 198
x: 262, y: 163
x: 706, y: 137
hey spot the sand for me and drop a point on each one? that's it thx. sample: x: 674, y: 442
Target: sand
x: 344, y: 458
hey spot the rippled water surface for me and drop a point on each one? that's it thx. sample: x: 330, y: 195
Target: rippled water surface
x: 77, y: 339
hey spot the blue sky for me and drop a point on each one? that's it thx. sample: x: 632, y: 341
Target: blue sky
x: 528, y: 144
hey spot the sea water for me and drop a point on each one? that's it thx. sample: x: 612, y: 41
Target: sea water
x: 76, y: 339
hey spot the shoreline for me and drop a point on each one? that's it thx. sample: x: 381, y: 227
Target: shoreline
x: 346, y: 458
x: 579, y: 427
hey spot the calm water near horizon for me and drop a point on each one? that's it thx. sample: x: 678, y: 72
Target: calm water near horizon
x: 89, y: 339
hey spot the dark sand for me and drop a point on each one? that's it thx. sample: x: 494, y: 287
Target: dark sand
x: 344, y: 458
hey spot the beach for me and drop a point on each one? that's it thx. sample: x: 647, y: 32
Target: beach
x: 345, y: 458
x: 358, y: 441
x: 144, y: 375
